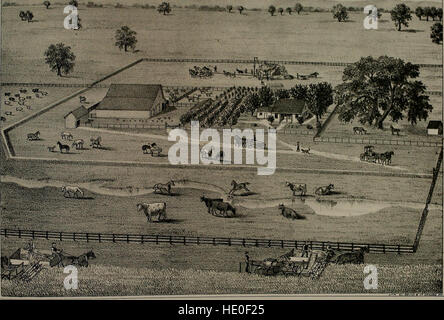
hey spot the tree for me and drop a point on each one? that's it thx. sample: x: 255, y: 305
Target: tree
x: 60, y: 58
x: 401, y: 15
x: 270, y: 119
x: 272, y: 10
x: 229, y: 8
x: 281, y: 11
x: 433, y: 13
x: 439, y: 14
x: 74, y: 3
x: 252, y: 102
x: 266, y: 96
x: 240, y: 9
x: 298, y: 8
x: 29, y: 16
x: 164, y: 8
x: 289, y: 10
x: 340, y: 12
x: 46, y: 3
x: 436, y: 33
x: 419, y: 12
x: 125, y: 37
x: 299, y: 91
x: 427, y: 12
x: 283, y: 94
x: 374, y: 89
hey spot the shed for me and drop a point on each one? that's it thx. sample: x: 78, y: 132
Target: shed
x: 434, y: 128
x: 74, y: 118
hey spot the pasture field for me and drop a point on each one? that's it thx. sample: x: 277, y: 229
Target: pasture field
x: 119, y: 281
x: 198, y: 34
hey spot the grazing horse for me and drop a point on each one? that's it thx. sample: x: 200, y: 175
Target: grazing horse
x: 359, y: 130
x: 66, y: 136
x: 297, y: 188
x: 222, y: 207
x: 34, y: 136
x: 325, y: 190
x: 61, y: 260
x: 238, y: 186
x: 355, y: 257
x: 63, y: 147
x: 290, y: 213
x: 153, y: 209
x: 72, y: 191
x: 163, y: 187
x: 395, y: 130
x: 78, y: 144
x: 209, y: 201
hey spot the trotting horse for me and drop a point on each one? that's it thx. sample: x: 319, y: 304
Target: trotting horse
x: 61, y: 260
x: 163, y: 187
x: 322, y: 191
x: 238, y: 186
x: 70, y: 191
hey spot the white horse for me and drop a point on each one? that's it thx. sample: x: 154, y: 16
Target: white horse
x: 78, y: 144
x: 153, y: 209
x: 72, y: 191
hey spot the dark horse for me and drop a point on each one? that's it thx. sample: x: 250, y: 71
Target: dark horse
x: 222, y: 206
x: 209, y: 201
x: 238, y: 186
x: 355, y: 257
x: 61, y: 260
x: 63, y: 147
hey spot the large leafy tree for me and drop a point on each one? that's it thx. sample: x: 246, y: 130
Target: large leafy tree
x: 433, y: 13
x: 252, y: 102
x: 401, y: 15
x: 317, y: 97
x: 419, y: 12
x: 436, y: 33
x: 266, y: 96
x: 374, y: 89
x: 298, y: 8
x: 74, y: 3
x: 439, y: 13
x: 427, y: 12
x: 164, y: 8
x: 60, y: 58
x: 125, y: 38
x: 340, y: 12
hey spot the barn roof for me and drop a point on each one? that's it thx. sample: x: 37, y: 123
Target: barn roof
x: 78, y: 113
x: 289, y: 106
x: 434, y: 124
x: 137, y: 97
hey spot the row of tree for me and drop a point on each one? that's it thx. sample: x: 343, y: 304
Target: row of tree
x: 429, y: 12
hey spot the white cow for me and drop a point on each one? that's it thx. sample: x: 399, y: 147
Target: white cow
x: 153, y: 209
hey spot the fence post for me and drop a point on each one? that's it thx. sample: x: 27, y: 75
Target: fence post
x: 32, y: 234
x: 127, y: 238
x: 114, y: 238
x: 198, y: 242
x: 87, y: 237
x: 74, y: 236
x: 100, y: 240
x: 61, y: 237
x: 6, y: 233
x: 214, y: 241
x: 399, y: 249
x: 20, y: 233
x: 243, y: 242
x: 157, y: 239
x: 46, y: 235
x: 282, y: 243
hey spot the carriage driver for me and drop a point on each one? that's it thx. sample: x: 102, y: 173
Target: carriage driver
x: 54, y: 249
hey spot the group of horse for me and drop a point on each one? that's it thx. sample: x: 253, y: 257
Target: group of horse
x: 302, y: 188
x: 95, y: 142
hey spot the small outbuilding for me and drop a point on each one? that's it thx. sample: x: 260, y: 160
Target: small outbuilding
x: 76, y: 117
x: 434, y: 128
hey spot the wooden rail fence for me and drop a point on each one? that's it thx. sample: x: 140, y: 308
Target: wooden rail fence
x: 377, y: 141
x: 191, y: 240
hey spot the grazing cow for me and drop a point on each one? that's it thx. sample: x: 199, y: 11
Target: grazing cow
x: 297, y: 188
x: 290, y: 213
x: 355, y: 257
x: 222, y: 207
x: 359, y: 130
x: 209, y: 201
x: 153, y: 209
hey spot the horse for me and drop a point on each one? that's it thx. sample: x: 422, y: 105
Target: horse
x: 95, y: 142
x: 66, y: 136
x: 325, y: 190
x: 290, y: 213
x: 34, y: 136
x: 78, y: 144
x: 151, y: 149
x: 388, y: 157
x: 297, y: 187
x: 51, y: 148
x: 63, y: 147
x: 70, y: 191
x: 395, y: 130
x: 163, y: 187
x: 62, y: 260
x: 153, y: 209
x: 355, y: 257
x: 209, y: 201
x: 222, y: 207
x: 306, y: 151
x: 359, y: 130
x: 238, y: 186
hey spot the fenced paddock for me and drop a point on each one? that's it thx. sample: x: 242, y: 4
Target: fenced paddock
x: 189, y: 240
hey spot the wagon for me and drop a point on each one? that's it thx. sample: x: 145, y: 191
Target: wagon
x: 368, y: 155
x: 24, y: 264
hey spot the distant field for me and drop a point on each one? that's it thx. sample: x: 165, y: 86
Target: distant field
x: 191, y: 33
x: 101, y: 280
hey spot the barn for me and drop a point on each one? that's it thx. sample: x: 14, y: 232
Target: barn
x: 128, y: 103
x: 434, y: 128
x: 76, y: 117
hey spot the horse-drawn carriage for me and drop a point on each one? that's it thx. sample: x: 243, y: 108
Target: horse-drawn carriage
x: 369, y: 154
x: 201, y: 72
x: 152, y: 148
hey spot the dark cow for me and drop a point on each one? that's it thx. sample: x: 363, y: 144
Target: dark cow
x: 355, y: 257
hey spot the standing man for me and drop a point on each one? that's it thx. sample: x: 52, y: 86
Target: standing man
x: 247, y: 262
